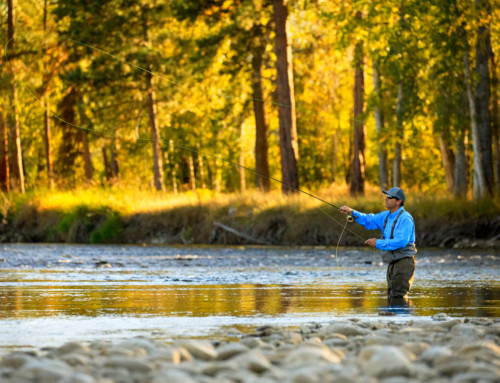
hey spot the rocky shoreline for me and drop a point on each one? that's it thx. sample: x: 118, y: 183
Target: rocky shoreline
x: 436, y: 350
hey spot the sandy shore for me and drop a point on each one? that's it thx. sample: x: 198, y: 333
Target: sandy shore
x: 443, y: 349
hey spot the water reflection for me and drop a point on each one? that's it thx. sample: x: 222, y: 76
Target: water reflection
x: 240, y: 300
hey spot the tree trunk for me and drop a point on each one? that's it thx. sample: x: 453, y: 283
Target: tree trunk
x: 115, y: 170
x: 261, y: 128
x: 47, y: 143
x: 379, y: 126
x: 151, y: 106
x: 479, y: 180
x: 286, y: 100
x: 107, y: 167
x: 358, y: 162
x: 460, y: 187
x: 201, y: 167
x: 174, y: 167
x: 241, y: 160
x: 448, y: 159
x: 16, y: 155
x: 192, y: 177
x: 495, y: 119
x: 4, y: 155
x: 46, y: 115
x: 87, y: 161
x: 396, y: 168
x: 483, y: 95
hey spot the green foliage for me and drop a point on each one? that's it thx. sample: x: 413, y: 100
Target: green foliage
x: 201, y: 55
x: 110, y: 229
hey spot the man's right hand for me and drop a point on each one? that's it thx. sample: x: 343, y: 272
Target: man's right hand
x: 346, y: 210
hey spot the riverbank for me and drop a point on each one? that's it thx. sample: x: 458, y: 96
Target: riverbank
x: 111, y: 216
x: 439, y: 350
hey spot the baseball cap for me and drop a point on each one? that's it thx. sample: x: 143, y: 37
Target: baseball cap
x: 396, y: 193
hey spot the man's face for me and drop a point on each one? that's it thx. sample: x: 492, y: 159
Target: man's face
x: 391, y: 202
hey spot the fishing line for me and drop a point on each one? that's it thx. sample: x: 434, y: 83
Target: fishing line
x: 112, y: 134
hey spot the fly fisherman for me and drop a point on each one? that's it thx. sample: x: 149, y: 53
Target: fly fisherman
x: 398, y: 243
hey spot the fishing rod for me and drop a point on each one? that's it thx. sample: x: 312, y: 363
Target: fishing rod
x: 349, y: 217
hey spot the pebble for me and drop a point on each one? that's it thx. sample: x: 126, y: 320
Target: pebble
x: 438, y: 350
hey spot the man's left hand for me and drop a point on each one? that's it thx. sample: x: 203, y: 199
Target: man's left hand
x: 371, y: 242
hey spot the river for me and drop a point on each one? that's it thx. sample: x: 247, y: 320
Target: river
x: 51, y: 294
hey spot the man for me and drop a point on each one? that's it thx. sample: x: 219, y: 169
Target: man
x: 398, y: 242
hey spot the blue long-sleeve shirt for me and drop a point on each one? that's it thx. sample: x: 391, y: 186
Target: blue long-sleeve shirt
x: 404, y: 231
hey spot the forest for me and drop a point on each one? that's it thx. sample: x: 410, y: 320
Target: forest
x: 111, y: 108
x: 174, y: 95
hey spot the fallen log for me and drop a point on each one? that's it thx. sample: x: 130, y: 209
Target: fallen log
x: 239, y: 234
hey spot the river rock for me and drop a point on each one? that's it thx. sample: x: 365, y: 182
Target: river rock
x: 346, y: 329
x: 139, y: 346
x: 15, y: 360
x: 199, y: 349
x: 76, y: 359
x: 214, y: 368
x: 168, y: 355
x: 229, y: 350
x: 44, y: 371
x: 172, y: 376
x: 385, y: 361
x: 252, y: 342
x: 253, y: 360
x: 452, y: 364
x: 435, y: 352
x: 311, y: 354
x: 73, y: 348
x: 467, y: 332
x: 130, y: 364
x: 482, y: 350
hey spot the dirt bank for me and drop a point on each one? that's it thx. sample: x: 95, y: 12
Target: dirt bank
x: 205, y: 224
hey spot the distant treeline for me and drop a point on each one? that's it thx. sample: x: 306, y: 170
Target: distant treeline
x: 169, y: 95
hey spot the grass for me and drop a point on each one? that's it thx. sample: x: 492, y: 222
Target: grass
x: 97, y: 215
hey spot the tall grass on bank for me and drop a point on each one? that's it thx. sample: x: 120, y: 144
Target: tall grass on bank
x: 98, y: 215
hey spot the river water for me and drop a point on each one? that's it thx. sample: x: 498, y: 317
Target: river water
x: 51, y: 294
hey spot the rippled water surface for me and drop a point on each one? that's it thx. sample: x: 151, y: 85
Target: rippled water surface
x: 51, y: 294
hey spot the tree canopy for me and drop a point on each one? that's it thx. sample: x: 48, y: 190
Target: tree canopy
x: 170, y: 95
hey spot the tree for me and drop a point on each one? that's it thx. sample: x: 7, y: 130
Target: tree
x: 483, y: 91
x: 286, y: 98
x: 16, y: 155
x: 358, y: 162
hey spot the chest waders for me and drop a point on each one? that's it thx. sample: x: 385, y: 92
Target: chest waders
x: 395, y: 255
